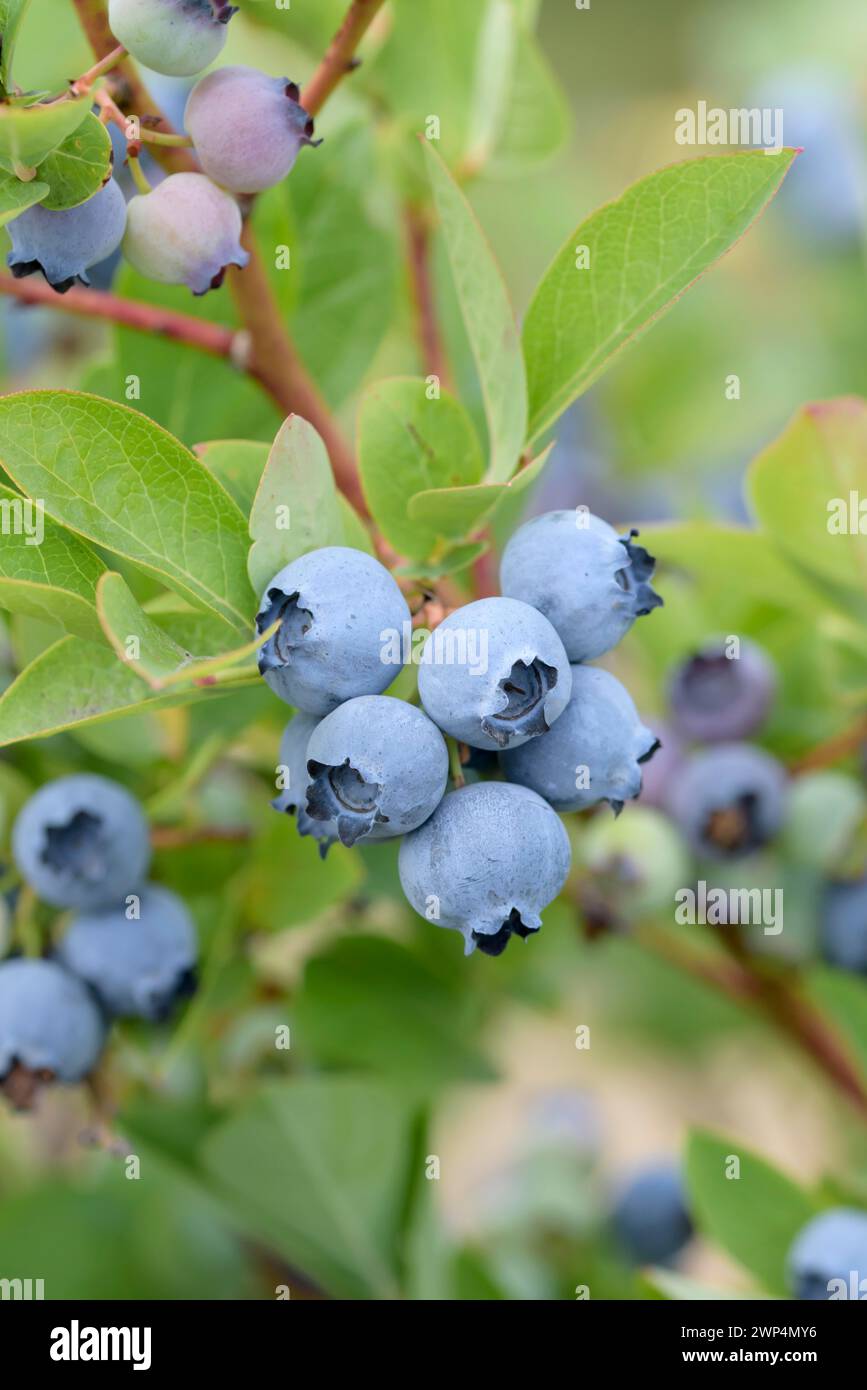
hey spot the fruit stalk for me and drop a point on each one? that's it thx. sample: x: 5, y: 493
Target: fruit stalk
x: 742, y: 982
x: 340, y: 58
x: 272, y: 359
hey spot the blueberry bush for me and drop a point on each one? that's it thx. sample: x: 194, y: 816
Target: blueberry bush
x: 365, y: 573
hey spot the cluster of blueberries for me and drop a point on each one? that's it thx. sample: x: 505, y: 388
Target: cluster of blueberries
x: 503, y: 677
x: 247, y: 129
x: 129, y: 951
x: 827, y: 1259
x: 729, y: 797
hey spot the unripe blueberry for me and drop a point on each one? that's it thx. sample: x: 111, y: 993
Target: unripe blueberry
x: 494, y: 674
x: 589, y: 582
x: 176, y: 37
x: 186, y: 231
x: 490, y: 858
x: 138, y: 967
x: 340, y: 613
x: 378, y: 768
x: 247, y: 127
x: 716, y: 697
x: 293, y: 798
x: 49, y: 1024
x: 635, y: 866
x: 844, y: 926
x: 729, y: 799
x: 64, y: 245
x: 592, y: 753
x: 82, y: 842
x: 650, y: 1216
x: 833, y: 1246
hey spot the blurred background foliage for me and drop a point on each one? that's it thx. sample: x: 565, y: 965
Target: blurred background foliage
x: 263, y: 1168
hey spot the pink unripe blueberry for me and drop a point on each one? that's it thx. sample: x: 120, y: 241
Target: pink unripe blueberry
x: 185, y: 232
x: 247, y: 127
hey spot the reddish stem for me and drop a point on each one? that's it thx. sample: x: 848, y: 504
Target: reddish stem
x: 427, y: 327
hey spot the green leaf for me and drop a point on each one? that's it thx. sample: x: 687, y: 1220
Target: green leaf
x: 536, y: 117
x: 669, y: 1284
x: 54, y: 580
x: 78, y: 167
x: 460, y: 557
x: 454, y: 512
x: 407, y: 442
x: 193, y: 395
x: 317, y: 1170
x: 124, y: 622
x: 322, y: 215
x: 74, y: 682
x: 644, y: 249
x: 295, y: 508
x: 355, y: 533
x: 495, y: 61
x: 17, y: 197
x: 843, y: 996
x: 279, y: 855
x: 11, y: 14
x: 124, y: 483
x: 29, y: 133
x: 802, y: 489
x: 370, y: 1003
x: 756, y: 1216
x: 488, y: 318
x: 238, y: 464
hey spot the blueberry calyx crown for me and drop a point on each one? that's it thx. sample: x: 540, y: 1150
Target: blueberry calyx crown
x: 76, y: 847
x: 295, y: 623
x: 20, y: 1085
x: 308, y: 126
x: 495, y: 943
x: 735, y: 829
x: 340, y: 794
x: 222, y: 11
x: 21, y: 269
x: 635, y: 577
x: 526, y: 688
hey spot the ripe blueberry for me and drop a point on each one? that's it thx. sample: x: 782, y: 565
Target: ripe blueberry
x: 293, y: 798
x: 650, y: 1216
x: 844, y: 926
x: 378, y: 768
x: 490, y: 858
x: 247, y: 127
x: 64, y: 245
x: 138, y: 968
x: 833, y: 1246
x: 82, y: 842
x: 494, y: 674
x: 338, y: 608
x: 716, y: 698
x: 729, y: 799
x: 589, y: 582
x: 592, y: 753
x: 176, y: 37
x: 186, y: 231
x: 50, y: 1027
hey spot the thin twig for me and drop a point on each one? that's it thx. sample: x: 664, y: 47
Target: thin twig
x: 275, y: 362
x: 742, y: 979
x: 427, y: 325
x: 833, y: 750
x: 340, y: 58
x: 212, y: 338
x: 87, y: 79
